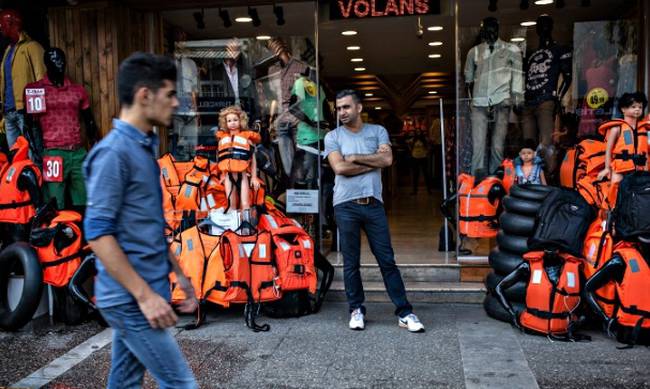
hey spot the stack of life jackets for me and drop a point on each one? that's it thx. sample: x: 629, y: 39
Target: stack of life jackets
x: 246, y: 269
x: 586, y: 159
x: 550, y: 306
x: 633, y: 292
x: 60, y: 247
x: 16, y: 205
x: 477, y: 216
x: 597, y: 249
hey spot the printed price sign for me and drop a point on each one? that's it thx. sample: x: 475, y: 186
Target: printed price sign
x: 35, y: 100
x: 52, y: 168
x: 302, y: 201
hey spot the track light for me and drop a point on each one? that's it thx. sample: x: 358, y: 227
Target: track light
x: 279, y: 15
x: 252, y: 12
x: 198, y: 17
x: 523, y: 5
x: 225, y: 16
x: 585, y: 3
x: 492, y: 6
x: 559, y: 4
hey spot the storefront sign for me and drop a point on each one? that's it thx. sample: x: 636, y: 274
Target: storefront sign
x: 302, y: 201
x: 359, y: 9
x: 35, y: 100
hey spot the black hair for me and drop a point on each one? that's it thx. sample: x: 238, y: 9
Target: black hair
x: 349, y: 92
x: 627, y: 99
x: 529, y: 144
x: 143, y: 70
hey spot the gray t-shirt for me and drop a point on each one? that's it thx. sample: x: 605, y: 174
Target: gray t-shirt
x: 346, y: 142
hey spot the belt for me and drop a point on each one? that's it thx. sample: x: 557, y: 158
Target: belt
x: 364, y: 200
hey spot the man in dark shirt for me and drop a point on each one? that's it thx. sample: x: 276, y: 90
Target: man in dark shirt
x: 125, y: 228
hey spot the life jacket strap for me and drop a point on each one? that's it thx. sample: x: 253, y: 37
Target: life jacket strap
x: 15, y: 205
x: 479, y: 218
x: 63, y: 260
x: 547, y: 315
x: 638, y: 159
x: 234, y: 153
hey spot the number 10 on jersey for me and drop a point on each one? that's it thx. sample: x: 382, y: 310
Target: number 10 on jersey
x: 35, y: 100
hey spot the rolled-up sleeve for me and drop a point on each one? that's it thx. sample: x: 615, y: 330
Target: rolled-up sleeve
x: 105, y: 176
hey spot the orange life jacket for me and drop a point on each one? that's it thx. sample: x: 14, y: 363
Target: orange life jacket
x: 16, y: 205
x: 633, y: 291
x: 293, y: 249
x: 249, y: 268
x: 591, y: 154
x: 236, y: 151
x: 477, y: 215
x: 191, y: 190
x: 570, y: 170
x: 200, y: 259
x: 60, y: 263
x: 509, y: 174
x: 630, y: 151
x: 597, y: 250
x: 549, y: 307
x: 4, y: 163
x: 213, y: 196
x: 595, y: 192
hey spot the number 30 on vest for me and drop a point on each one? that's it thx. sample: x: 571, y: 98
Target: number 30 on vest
x: 53, y: 168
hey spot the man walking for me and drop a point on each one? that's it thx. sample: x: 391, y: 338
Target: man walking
x: 357, y: 152
x: 124, y: 225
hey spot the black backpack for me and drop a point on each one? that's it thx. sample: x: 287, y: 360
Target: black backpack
x: 631, y: 218
x: 562, y: 223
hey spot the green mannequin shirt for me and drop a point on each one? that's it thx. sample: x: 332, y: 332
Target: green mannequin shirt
x: 308, y: 102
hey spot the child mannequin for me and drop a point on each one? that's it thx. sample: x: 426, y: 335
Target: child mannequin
x: 528, y: 166
x: 236, y: 157
x: 627, y: 143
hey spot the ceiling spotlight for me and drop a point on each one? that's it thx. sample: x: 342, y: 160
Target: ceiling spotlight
x: 359, y: 69
x: 263, y: 37
x: 356, y: 60
x: 434, y: 28
x: 279, y: 15
x: 435, y: 55
x: 225, y: 16
x: 369, y: 95
x: 517, y: 39
x: 492, y: 6
x: 585, y: 3
x: 433, y: 92
x: 543, y: 2
x: 437, y: 43
x: 353, y: 48
x: 377, y: 108
x: 528, y: 23
x: 198, y: 17
x: 255, y: 17
x: 523, y: 4
x: 243, y: 19
x: 349, y: 33
x: 559, y: 4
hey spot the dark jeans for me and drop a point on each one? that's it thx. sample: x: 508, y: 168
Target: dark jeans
x: 351, y: 218
x: 137, y: 346
x: 417, y: 165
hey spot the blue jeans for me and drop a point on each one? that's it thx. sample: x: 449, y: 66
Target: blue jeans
x: 14, y: 125
x: 350, y: 219
x: 286, y: 146
x: 137, y: 346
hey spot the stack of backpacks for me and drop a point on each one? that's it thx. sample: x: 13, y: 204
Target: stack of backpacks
x: 269, y: 262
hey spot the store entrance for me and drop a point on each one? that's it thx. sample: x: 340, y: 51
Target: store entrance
x: 403, y: 68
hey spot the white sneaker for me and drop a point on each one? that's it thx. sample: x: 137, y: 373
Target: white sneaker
x: 357, y: 321
x: 411, y: 322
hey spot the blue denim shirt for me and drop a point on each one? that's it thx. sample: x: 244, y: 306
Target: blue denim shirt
x: 125, y: 200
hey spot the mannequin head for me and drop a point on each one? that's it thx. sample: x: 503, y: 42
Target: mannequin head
x: 233, y: 51
x: 544, y: 27
x: 489, y: 30
x: 54, y: 59
x: 11, y: 24
x: 227, y: 115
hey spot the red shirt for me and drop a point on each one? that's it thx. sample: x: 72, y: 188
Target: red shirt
x: 60, y: 122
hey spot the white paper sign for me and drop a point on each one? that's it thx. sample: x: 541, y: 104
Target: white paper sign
x: 302, y: 201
